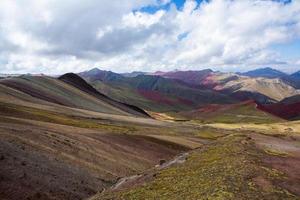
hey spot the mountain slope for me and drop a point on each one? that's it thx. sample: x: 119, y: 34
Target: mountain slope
x: 296, y: 75
x: 189, y: 77
x: 51, y: 155
x: 51, y: 148
x: 58, y: 92
x: 294, y: 79
x: 81, y: 84
x: 232, y: 113
x: 288, y: 108
x: 234, y: 167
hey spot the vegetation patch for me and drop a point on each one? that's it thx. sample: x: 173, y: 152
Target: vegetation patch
x: 275, y: 152
x: 226, y: 169
x: 24, y: 112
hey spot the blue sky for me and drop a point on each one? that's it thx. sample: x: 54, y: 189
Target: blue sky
x: 289, y: 50
x: 179, y: 4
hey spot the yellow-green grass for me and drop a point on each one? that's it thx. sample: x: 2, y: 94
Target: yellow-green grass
x: 9, y: 111
x: 207, y: 132
x: 56, y: 91
x: 23, y: 112
x: 227, y: 169
x: 275, y: 152
x: 185, y: 141
x: 274, y: 129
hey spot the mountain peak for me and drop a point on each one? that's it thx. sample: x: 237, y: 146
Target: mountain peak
x: 266, y: 72
x: 94, y: 70
x: 97, y: 74
x: 296, y: 74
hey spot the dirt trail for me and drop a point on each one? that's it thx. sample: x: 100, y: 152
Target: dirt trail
x: 181, y: 158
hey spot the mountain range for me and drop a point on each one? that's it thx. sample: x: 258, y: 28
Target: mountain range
x: 178, y: 91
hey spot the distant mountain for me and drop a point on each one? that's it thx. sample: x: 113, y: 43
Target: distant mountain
x: 189, y: 77
x: 263, y: 90
x: 133, y: 74
x: 265, y: 72
x: 294, y: 79
x: 174, y: 93
x: 296, y: 75
x: 263, y: 85
x: 186, y: 90
x: 154, y: 93
x: 9, y: 75
x: 97, y: 74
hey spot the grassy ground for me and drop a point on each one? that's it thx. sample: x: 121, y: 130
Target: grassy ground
x: 231, y: 168
x: 245, y: 112
x: 17, y: 111
x: 279, y: 129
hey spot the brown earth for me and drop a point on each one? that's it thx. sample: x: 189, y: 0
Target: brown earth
x: 284, y: 158
x: 52, y: 149
x: 63, y: 162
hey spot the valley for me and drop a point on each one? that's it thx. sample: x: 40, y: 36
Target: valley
x: 102, y: 135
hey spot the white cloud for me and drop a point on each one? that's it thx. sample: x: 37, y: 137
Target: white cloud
x: 58, y: 36
x: 139, y: 19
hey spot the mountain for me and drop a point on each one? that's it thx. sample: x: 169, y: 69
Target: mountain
x: 155, y: 93
x: 265, y: 72
x: 293, y: 79
x: 97, y: 74
x: 61, y: 139
x: 63, y: 93
x: 187, y: 90
x: 296, y: 75
x: 189, y: 77
x: 81, y: 84
x: 263, y: 90
x: 230, y: 113
x: 288, y: 108
x: 133, y: 74
x: 259, y: 85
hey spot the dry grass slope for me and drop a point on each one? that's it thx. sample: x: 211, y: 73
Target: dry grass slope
x: 231, y: 168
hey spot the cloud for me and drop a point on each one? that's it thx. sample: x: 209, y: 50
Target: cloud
x: 58, y: 36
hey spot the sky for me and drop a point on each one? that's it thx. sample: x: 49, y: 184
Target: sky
x: 54, y: 36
